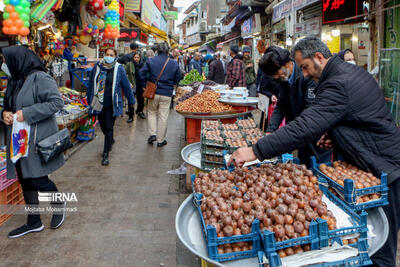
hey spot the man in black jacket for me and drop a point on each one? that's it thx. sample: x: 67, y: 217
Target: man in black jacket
x: 296, y: 94
x: 215, y: 70
x: 350, y: 106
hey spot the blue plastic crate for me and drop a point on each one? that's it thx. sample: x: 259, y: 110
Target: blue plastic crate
x: 360, y: 260
x: 271, y: 247
x: 359, y: 220
x: 85, y: 135
x: 349, y: 191
x: 212, y: 241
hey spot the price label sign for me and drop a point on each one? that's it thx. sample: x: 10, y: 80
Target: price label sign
x: 263, y: 103
x: 200, y: 89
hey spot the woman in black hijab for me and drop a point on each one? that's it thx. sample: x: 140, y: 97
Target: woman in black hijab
x: 32, y: 96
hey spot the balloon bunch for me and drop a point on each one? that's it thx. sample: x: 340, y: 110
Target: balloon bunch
x: 16, y: 17
x: 91, y: 30
x: 112, y: 21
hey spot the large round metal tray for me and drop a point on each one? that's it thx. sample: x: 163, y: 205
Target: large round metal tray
x: 188, y: 229
x: 250, y: 101
x: 215, y: 116
x: 191, y: 154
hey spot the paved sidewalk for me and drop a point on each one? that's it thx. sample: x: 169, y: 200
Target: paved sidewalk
x: 126, y: 210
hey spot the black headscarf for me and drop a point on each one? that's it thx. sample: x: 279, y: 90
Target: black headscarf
x: 343, y: 52
x: 21, y: 62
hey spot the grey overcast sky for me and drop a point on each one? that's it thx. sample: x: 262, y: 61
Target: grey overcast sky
x: 184, y: 4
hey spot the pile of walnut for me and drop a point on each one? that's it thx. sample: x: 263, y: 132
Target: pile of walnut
x: 206, y: 102
x: 284, y: 197
x: 342, y: 170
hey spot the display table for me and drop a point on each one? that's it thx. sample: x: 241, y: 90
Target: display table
x: 189, y: 231
x: 193, y: 121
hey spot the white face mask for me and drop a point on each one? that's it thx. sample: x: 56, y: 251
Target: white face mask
x: 5, y: 69
x: 352, y: 62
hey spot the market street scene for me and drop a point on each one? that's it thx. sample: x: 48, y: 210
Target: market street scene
x: 200, y: 133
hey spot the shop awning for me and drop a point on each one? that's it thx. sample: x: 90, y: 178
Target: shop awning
x: 147, y: 28
x: 191, y: 49
x: 219, y: 45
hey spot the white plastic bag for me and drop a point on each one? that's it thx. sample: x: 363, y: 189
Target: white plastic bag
x: 19, y: 140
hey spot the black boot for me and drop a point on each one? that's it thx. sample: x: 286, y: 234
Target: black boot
x: 131, y: 112
x: 105, y: 160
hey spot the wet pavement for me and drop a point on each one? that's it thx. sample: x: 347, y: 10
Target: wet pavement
x: 126, y: 211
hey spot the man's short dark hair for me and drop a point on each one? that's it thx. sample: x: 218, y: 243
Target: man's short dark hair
x: 274, y: 59
x: 235, y: 49
x: 134, y: 46
x: 311, y: 45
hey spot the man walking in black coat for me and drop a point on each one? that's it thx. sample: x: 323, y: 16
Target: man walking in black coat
x: 350, y: 107
x: 296, y: 94
x: 215, y: 70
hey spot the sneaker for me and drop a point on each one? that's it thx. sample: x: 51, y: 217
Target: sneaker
x: 105, y: 161
x: 130, y: 120
x: 152, y: 139
x: 162, y: 144
x: 26, y: 229
x: 58, y: 218
x: 141, y: 115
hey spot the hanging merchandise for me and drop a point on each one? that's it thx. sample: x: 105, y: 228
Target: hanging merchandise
x: 16, y: 17
x: 39, y: 11
x: 112, y: 21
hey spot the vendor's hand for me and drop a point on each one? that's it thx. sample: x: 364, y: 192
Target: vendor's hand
x: 241, y: 156
x: 274, y: 99
x: 8, y: 117
x: 20, y: 116
x: 324, y: 142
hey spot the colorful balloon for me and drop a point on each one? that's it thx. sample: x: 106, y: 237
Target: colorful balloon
x: 6, y: 30
x: 23, y: 31
x: 6, y: 15
x: 14, y: 2
x: 26, y: 24
x: 8, y: 23
x: 19, y: 9
x: 24, y: 17
x: 19, y: 23
x: 14, y: 16
x: 13, y: 30
x: 10, y: 8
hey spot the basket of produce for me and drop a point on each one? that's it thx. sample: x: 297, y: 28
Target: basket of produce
x: 206, y: 102
x: 231, y: 145
x: 252, y: 135
x: 191, y: 77
x: 360, y: 190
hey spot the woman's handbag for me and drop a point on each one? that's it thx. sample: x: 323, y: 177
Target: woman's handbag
x: 150, y: 90
x: 52, y: 146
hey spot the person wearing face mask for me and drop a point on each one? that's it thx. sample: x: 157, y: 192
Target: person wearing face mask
x: 350, y: 106
x: 107, y: 80
x: 32, y: 96
x: 348, y: 56
x: 296, y: 94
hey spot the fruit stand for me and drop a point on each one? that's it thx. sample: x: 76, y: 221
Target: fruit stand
x: 277, y: 212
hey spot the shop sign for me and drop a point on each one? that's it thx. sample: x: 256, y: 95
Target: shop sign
x: 147, y: 10
x: 133, y: 5
x: 163, y: 24
x: 251, y: 25
x: 144, y: 38
x: 281, y: 10
x: 279, y: 27
x: 230, y: 35
x: 156, y: 17
x: 170, y: 15
x: 299, y: 4
x: 158, y: 4
x: 311, y: 26
x: 127, y: 35
x: 194, y: 39
x: 339, y: 10
x: 392, y: 34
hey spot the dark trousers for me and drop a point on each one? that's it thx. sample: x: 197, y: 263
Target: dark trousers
x: 107, y: 120
x: 30, y: 188
x: 140, y: 99
x: 386, y: 256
